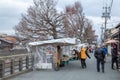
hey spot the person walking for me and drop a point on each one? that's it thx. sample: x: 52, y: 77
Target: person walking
x: 100, y: 56
x: 76, y: 52
x: 114, y: 52
x: 83, y: 56
x: 105, y: 51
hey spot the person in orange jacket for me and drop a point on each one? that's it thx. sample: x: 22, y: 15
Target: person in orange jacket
x: 83, y: 56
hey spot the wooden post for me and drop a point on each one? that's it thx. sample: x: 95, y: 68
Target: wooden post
x: 12, y: 66
x: 2, y: 68
x: 20, y: 64
x: 27, y: 62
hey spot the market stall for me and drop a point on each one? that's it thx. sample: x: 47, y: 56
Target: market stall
x: 48, y: 54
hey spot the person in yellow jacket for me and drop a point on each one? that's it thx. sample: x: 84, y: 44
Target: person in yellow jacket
x: 83, y: 56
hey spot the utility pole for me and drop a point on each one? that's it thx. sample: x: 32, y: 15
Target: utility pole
x: 102, y: 33
x: 106, y: 16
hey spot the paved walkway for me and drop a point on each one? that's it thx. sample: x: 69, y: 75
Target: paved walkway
x: 73, y: 71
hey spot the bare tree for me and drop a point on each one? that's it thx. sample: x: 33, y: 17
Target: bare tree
x: 89, y: 33
x: 74, y: 21
x: 41, y: 21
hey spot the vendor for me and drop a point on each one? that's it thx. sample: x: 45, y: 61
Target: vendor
x: 59, y: 50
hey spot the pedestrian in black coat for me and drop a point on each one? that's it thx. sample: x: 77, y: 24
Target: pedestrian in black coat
x: 100, y: 56
x: 114, y: 53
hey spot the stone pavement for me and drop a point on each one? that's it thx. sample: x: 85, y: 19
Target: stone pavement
x: 73, y: 71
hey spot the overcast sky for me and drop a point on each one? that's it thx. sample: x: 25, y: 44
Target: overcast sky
x: 11, y: 10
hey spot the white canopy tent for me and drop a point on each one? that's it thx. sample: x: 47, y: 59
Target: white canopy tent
x: 61, y: 42
x: 79, y: 46
x: 37, y: 49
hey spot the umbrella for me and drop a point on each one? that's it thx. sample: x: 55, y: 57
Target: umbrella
x: 111, y: 41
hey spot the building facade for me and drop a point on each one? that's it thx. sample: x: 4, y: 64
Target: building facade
x: 5, y: 44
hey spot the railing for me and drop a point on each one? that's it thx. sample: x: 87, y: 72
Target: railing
x: 16, y: 64
x: 13, y: 52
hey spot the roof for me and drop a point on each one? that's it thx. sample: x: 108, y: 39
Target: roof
x: 61, y: 42
x: 10, y: 38
x: 6, y: 40
x: 114, y: 31
x: 118, y: 26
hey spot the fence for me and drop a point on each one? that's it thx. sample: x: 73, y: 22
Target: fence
x: 16, y: 64
x: 12, y: 52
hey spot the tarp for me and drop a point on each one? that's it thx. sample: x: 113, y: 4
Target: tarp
x: 61, y: 42
x: 40, y: 56
x: 79, y: 46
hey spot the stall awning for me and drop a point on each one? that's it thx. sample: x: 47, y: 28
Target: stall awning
x: 61, y: 42
x: 111, y: 41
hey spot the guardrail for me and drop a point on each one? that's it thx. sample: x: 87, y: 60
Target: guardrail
x: 15, y: 64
